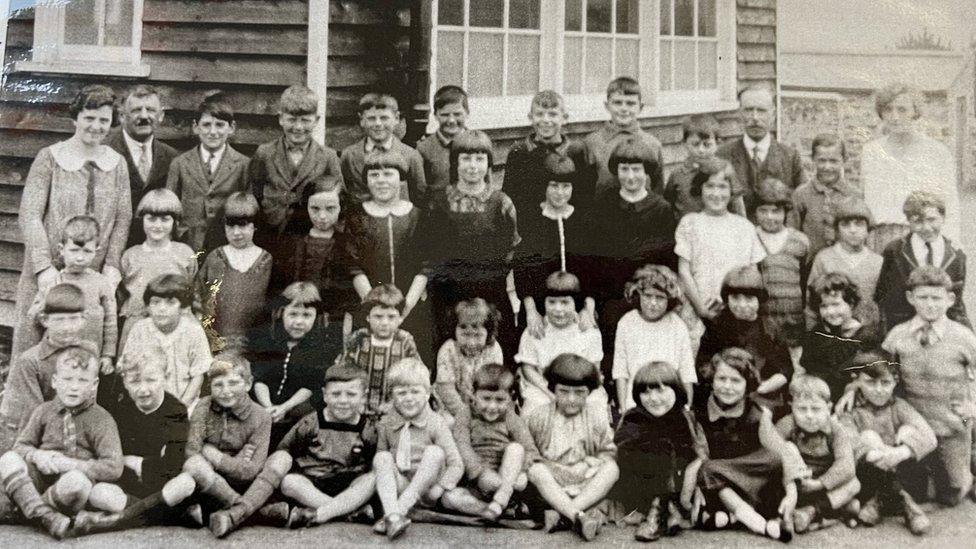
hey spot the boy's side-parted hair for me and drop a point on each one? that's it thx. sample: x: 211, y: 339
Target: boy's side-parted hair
x: 64, y: 298
x: 80, y: 229
x: 478, y: 312
x: 834, y: 283
x: 828, y: 140
x: 449, y: 95
x: 471, y: 142
x: 632, y: 151
x: 875, y: 363
x: 654, y: 277
x: 560, y: 168
x: 169, y: 286
x: 548, y: 99
x: 918, y: 200
x: 298, y: 100
x: 345, y: 369
x: 624, y: 85
x: 80, y: 356
x: 656, y: 374
x: 241, y: 208
x: 408, y: 371
x: 744, y: 281
x: 886, y: 95
x: 704, y: 126
x: 572, y: 370
x: 217, y: 106
x: 375, y: 100
x: 381, y: 160
x: 564, y: 284
x: 739, y: 360
x: 230, y: 362
x: 852, y: 208
x: 160, y: 202
x: 806, y: 386
x: 929, y: 275
x: 91, y: 97
x: 709, y: 167
x: 493, y: 377
x: 773, y: 192
x: 383, y: 295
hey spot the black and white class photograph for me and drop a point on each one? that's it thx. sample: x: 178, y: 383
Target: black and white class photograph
x: 487, y: 273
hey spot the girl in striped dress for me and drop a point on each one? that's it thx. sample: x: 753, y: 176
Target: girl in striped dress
x: 784, y: 268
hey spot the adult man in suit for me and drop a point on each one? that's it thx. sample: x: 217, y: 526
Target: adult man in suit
x: 148, y: 158
x: 757, y: 155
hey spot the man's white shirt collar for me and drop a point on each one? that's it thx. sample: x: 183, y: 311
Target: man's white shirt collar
x: 763, y: 145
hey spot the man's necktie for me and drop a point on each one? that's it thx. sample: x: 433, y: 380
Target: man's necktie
x: 145, y: 162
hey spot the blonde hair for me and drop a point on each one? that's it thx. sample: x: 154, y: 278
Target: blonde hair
x: 806, y: 386
x: 408, y: 371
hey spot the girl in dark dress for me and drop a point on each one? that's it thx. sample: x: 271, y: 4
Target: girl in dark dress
x: 289, y: 357
x: 555, y: 239
x: 751, y: 471
x: 386, y: 244
x: 829, y: 348
x: 660, y: 448
x: 740, y: 324
x: 470, y: 234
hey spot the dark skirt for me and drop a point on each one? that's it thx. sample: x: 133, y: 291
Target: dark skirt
x: 756, y: 477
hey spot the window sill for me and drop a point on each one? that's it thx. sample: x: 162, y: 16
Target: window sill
x: 85, y: 67
x: 512, y: 112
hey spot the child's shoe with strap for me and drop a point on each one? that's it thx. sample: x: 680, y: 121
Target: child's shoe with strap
x: 652, y: 529
x: 587, y: 526
x: 803, y: 517
x: 303, y: 517
x: 396, y: 525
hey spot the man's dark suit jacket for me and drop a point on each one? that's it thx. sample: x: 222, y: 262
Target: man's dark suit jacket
x: 162, y: 156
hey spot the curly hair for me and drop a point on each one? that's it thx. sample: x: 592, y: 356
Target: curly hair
x: 654, y: 277
x: 737, y: 359
x: 478, y: 311
x: 831, y: 284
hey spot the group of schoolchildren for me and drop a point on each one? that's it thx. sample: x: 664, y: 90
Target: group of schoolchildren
x: 387, y: 335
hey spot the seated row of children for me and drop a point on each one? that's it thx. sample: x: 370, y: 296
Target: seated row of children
x: 733, y: 462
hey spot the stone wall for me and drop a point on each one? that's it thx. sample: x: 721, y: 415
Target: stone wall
x: 850, y: 114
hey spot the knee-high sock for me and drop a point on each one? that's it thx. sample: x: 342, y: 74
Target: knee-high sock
x: 220, y: 490
x: 21, y: 490
x: 256, y: 495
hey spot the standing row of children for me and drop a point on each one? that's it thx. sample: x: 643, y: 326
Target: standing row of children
x: 703, y: 361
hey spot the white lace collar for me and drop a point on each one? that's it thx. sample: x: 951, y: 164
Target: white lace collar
x: 548, y: 212
x: 398, y: 209
x: 106, y: 161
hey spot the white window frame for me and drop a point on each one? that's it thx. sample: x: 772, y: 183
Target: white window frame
x: 511, y: 111
x: 51, y: 54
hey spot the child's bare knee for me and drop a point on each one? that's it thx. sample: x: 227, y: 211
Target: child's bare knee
x: 434, y: 453
x: 383, y: 459
x: 289, y: 484
x: 280, y: 462
x: 11, y: 462
x: 610, y: 469
x: 73, y: 484
x: 515, y: 449
x: 108, y: 497
x: 199, y: 469
x: 537, y: 472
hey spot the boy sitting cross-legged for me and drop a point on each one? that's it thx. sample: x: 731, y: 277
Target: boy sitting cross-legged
x: 578, y: 465
x: 495, y: 444
x: 332, y: 450
x: 826, y: 450
x: 69, y: 451
x: 416, y: 453
x: 889, y: 436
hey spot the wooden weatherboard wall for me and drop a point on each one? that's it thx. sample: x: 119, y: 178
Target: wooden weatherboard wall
x: 249, y: 49
x: 252, y: 50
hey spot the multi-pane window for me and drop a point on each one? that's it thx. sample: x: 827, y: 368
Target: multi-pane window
x: 689, y: 45
x: 681, y: 51
x: 601, y: 38
x: 490, y: 47
x: 87, y: 36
